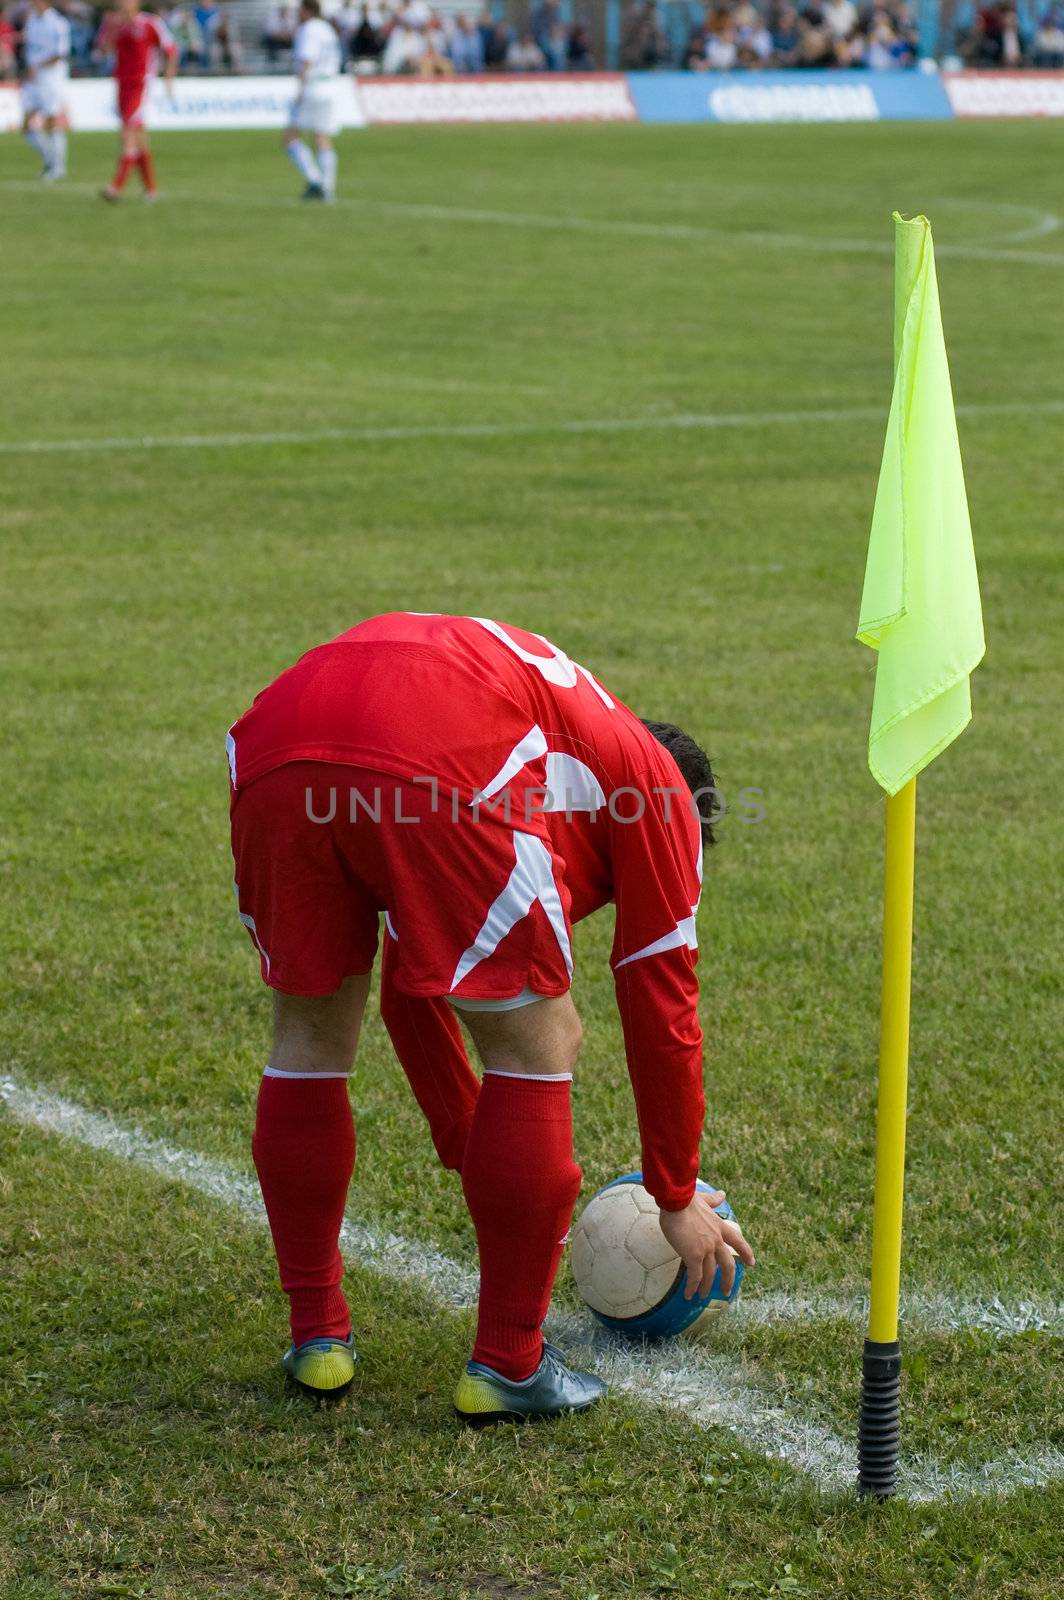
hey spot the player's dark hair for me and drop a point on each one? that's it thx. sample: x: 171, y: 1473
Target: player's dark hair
x: 694, y: 769
x: 313, y: 6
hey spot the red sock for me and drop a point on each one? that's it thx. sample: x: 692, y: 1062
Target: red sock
x: 304, y: 1150
x: 125, y: 167
x: 147, y: 170
x: 521, y: 1184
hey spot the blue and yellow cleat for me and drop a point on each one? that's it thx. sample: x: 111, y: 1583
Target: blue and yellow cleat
x: 322, y: 1368
x: 484, y: 1396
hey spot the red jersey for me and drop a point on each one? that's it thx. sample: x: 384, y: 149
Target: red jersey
x: 135, y: 42
x: 499, y: 718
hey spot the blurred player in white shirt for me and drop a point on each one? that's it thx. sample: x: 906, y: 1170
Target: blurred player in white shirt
x: 46, y: 47
x: 316, y: 59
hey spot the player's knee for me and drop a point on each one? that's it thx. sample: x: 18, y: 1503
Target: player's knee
x: 561, y: 1037
x: 572, y: 1037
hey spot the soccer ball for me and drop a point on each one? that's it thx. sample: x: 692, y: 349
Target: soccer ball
x: 629, y: 1274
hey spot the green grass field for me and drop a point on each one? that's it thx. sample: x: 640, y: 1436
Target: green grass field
x: 474, y: 293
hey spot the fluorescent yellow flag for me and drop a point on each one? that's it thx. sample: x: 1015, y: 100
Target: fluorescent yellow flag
x: 920, y: 607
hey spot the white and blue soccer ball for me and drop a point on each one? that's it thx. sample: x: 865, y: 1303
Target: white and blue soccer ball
x: 628, y: 1273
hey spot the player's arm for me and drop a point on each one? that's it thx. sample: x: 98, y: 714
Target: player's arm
x: 428, y: 1042
x: 654, y: 954
x: 167, y: 46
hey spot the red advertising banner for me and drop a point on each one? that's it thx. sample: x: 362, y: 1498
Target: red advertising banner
x: 1005, y: 94
x: 554, y: 97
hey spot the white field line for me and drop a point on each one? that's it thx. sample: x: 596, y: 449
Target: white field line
x: 709, y: 1389
x: 707, y: 421
x: 755, y: 238
x: 1044, y: 223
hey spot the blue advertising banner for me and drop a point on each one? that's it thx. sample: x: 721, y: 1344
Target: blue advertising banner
x: 788, y: 96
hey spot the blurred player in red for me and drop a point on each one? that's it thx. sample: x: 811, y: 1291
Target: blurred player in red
x: 136, y: 40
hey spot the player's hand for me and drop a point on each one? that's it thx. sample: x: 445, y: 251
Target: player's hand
x: 704, y: 1242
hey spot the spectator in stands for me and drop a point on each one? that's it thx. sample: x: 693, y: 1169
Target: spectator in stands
x: 786, y: 36
x: 207, y: 15
x: 227, y: 43
x: 545, y: 17
x: 467, y: 45
x: 995, y: 39
x: 406, y: 43
x: 752, y: 38
x: 524, y: 55
x: 694, y: 55
x: 643, y: 41
x: 555, y: 47
x: 1048, y: 48
x: 365, y: 44
x: 722, y: 51
x: 345, y: 22
x: 581, y: 52
x: 279, y: 32
x: 434, y: 63
x: 815, y: 45
x: 840, y: 18
x: 1011, y: 45
x: 187, y: 37
x: 82, y: 19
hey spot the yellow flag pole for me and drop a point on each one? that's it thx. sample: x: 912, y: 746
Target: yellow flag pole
x: 878, y: 1432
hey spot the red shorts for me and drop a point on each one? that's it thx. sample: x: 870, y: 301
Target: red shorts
x: 476, y: 908
x: 131, y: 102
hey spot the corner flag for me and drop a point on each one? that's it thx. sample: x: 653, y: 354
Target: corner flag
x: 920, y: 607
x: 920, y: 610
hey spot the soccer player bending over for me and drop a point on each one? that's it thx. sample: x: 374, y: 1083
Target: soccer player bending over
x: 46, y: 50
x: 482, y: 792
x: 136, y: 40
x: 316, y: 58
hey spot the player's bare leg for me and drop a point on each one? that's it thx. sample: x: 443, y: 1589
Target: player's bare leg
x: 302, y: 158
x: 327, y: 164
x: 521, y: 1184
x: 304, y: 1151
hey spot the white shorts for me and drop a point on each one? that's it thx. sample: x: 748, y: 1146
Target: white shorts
x: 44, y: 95
x: 314, y: 111
x: 526, y: 998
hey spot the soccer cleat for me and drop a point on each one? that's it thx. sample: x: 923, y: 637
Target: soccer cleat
x: 313, y: 191
x: 484, y: 1396
x: 322, y: 1368
x: 112, y: 196
x: 151, y: 197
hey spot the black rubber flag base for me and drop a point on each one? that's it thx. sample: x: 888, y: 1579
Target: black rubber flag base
x: 879, y: 1425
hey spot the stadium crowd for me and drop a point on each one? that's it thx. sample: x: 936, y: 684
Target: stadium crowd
x: 410, y: 36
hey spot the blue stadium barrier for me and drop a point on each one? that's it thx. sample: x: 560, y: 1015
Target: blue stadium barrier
x: 788, y: 96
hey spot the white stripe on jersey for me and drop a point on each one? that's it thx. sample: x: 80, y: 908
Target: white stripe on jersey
x: 530, y: 748
x: 683, y: 933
